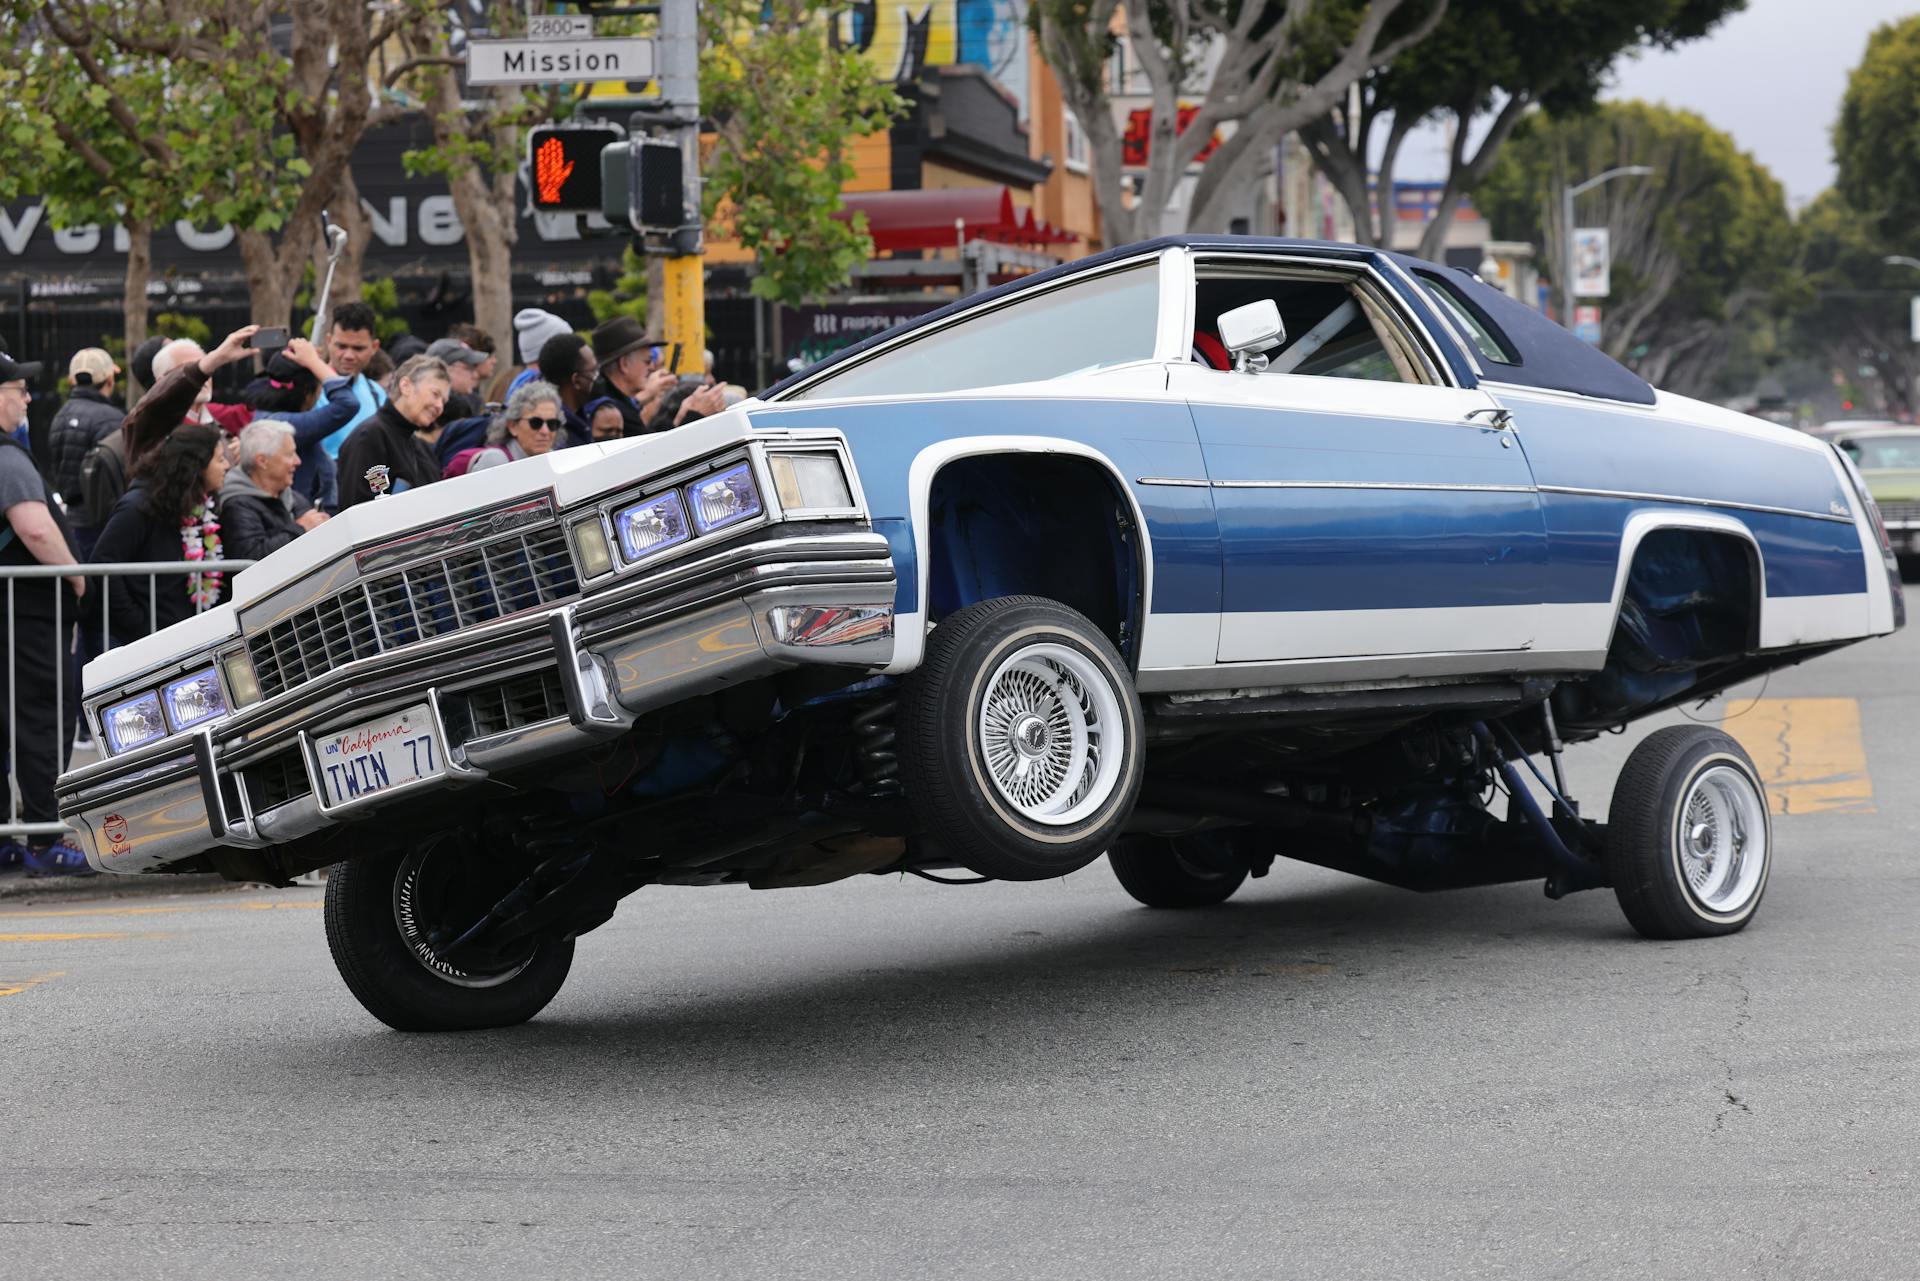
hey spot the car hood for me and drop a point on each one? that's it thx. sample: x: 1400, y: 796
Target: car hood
x: 1893, y: 484
x: 570, y: 475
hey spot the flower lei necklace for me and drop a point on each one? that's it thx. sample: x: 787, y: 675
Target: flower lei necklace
x: 200, y: 540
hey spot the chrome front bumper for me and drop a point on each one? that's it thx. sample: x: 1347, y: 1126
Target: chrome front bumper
x: 596, y: 664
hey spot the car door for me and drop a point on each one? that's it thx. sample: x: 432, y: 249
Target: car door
x: 1364, y: 516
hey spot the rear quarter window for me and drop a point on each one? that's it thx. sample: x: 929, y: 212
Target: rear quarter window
x: 1480, y: 331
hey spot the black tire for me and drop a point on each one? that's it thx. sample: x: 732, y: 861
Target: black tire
x: 399, y: 985
x: 1176, y: 871
x: 1654, y: 842
x: 949, y: 767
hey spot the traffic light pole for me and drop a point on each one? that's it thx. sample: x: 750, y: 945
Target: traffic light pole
x: 685, y: 285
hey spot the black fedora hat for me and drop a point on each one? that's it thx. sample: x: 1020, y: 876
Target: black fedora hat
x: 616, y: 337
x: 12, y: 370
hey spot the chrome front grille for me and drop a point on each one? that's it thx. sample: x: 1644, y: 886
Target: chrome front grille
x: 384, y: 612
x: 525, y: 700
x: 1900, y: 513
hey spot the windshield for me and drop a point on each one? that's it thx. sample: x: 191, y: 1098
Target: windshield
x: 1884, y: 453
x: 1073, y: 328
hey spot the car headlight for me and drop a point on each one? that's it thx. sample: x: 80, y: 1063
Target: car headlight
x: 134, y: 721
x: 654, y: 525
x: 193, y: 698
x: 725, y: 499
x: 810, y: 482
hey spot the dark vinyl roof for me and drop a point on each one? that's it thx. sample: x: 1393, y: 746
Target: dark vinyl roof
x: 1548, y: 356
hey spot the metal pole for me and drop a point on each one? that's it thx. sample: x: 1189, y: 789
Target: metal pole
x: 1623, y: 171
x: 13, y: 734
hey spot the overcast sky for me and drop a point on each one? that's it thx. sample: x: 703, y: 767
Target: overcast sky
x: 1771, y: 76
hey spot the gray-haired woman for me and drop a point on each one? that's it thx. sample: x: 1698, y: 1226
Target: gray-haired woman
x: 529, y: 425
x: 260, y: 511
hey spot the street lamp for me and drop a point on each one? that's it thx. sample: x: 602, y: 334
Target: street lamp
x: 1566, y: 206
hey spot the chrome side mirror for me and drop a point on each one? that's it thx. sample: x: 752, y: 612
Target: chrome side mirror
x: 1250, y: 331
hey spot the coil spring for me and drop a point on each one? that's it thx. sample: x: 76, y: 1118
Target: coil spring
x: 876, y: 744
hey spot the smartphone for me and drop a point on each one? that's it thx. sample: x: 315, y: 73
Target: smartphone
x: 693, y: 378
x: 268, y: 339
x: 673, y: 362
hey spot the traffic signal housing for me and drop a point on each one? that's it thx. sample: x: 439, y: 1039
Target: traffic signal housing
x: 563, y: 165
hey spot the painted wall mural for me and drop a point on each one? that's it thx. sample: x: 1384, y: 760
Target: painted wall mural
x: 902, y: 38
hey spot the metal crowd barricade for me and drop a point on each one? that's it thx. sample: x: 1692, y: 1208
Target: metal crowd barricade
x: 81, y: 631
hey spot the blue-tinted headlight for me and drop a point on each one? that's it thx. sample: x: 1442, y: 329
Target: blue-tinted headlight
x: 725, y: 499
x: 652, y: 526
x: 133, y: 721
x: 193, y: 699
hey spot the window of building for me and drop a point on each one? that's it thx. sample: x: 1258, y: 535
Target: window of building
x: 1076, y: 144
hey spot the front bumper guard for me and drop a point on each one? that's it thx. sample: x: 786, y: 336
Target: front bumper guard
x: 149, y: 809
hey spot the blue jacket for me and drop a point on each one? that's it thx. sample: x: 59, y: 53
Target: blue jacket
x: 317, y: 480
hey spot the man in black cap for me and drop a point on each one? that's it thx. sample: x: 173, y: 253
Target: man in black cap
x: 630, y: 372
x: 35, y: 533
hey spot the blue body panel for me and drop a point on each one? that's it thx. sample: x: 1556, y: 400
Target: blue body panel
x: 1365, y: 548
x: 1140, y: 438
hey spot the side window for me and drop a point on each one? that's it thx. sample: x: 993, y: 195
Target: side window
x: 1488, y: 341
x: 1336, y: 327
x: 1108, y: 320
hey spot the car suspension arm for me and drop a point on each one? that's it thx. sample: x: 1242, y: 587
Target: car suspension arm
x: 1575, y: 873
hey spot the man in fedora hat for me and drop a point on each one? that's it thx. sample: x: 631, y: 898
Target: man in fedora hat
x: 630, y: 372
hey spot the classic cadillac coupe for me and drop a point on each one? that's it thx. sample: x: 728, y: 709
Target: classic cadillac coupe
x: 1195, y: 553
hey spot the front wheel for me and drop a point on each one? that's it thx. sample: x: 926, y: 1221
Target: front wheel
x: 387, y: 913
x: 1689, y: 839
x: 1020, y: 739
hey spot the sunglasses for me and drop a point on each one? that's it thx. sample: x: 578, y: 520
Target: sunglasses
x: 545, y: 424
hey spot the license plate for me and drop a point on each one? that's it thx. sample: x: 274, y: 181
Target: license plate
x: 379, y: 755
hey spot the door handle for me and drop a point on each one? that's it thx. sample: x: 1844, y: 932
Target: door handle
x: 1500, y: 420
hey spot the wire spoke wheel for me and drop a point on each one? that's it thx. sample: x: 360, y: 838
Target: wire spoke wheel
x: 1722, y: 839
x: 1051, y: 734
x: 420, y: 905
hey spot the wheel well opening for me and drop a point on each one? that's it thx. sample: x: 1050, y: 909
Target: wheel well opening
x: 1691, y: 607
x: 1035, y: 525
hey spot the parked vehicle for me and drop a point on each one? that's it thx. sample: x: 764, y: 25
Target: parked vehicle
x: 1888, y: 456
x: 1198, y: 553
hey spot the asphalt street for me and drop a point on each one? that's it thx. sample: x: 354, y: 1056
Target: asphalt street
x: 884, y: 1078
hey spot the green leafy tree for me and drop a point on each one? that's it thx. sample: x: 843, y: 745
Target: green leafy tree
x: 114, y: 127
x: 1853, y: 313
x: 784, y: 105
x: 628, y: 297
x: 1254, y: 72
x: 1484, y: 67
x: 1876, y: 141
x: 1702, y: 250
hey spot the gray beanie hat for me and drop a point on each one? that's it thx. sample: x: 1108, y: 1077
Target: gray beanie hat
x: 533, y: 327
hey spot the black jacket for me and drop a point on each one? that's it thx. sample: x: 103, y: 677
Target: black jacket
x: 253, y: 523
x: 386, y: 438
x: 133, y: 534
x: 631, y: 423
x: 80, y: 424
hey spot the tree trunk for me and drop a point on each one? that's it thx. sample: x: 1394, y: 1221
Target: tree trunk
x: 266, y: 283
x: 133, y: 299
x: 491, y: 233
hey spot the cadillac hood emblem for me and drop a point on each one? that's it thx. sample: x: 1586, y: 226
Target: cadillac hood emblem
x: 379, y: 480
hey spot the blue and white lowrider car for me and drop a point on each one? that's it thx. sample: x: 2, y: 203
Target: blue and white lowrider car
x: 1195, y: 553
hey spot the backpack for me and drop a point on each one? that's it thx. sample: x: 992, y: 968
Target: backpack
x: 460, y: 462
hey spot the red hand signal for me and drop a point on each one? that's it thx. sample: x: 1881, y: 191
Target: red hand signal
x: 550, y: 170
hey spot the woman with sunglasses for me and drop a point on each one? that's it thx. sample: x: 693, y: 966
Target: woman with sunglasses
x: 529, y: 425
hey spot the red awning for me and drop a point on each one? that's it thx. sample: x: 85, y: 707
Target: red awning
x: 906, y: 220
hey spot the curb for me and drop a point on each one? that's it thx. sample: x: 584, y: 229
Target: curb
x: 16, y: 887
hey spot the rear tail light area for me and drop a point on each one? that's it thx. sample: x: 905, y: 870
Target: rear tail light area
x: 1866, y: 499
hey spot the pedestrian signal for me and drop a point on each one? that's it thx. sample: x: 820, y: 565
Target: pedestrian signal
x: 563, y: 166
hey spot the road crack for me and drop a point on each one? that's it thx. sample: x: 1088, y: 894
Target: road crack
x: 1731, y: 1099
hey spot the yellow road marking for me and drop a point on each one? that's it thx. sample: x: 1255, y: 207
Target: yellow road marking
x: 157, y: 911
x: 54, y: 938
x: 1809, y: 753
x: 14, y: 987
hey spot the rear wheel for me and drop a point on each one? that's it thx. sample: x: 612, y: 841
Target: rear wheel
x: 1177, y: 871
x: 1689, y: 839
x: 388, y: 914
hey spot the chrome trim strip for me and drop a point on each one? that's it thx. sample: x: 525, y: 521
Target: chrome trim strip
x: 1372, y: 484
x: 1172, y: 480
x: 1693, y: 502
